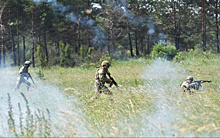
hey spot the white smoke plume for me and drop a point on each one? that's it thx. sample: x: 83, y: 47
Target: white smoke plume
x: 162, y: 80
x: 99, y: 38
x: 65, y: 112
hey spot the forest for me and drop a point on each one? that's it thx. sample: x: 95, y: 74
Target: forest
x: 74, y: 32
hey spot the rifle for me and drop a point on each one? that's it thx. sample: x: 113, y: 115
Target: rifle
x: 199, y: 82
x: 113, y: 81
x: 30, y: 77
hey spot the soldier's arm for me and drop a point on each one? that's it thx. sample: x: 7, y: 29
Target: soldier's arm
x: 102, y: 76
x: 185, y: 85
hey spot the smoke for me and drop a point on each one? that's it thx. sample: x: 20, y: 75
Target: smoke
x: 151, y: 28
x: 162, y: 80
x: 67, y: 11
x: 67, y: 118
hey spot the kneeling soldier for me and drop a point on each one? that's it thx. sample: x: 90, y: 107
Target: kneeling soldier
x: 101, y: 79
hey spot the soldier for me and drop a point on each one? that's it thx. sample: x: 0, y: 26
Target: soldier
x: 101, y: 79
x: 189, y: 85
x: 23, y: 72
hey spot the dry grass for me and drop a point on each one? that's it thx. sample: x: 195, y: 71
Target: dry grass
x: 135, y: 105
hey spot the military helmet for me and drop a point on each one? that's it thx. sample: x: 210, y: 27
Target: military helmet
x: 27, y: 63
x: 105, y: 63
x: 190, y: 78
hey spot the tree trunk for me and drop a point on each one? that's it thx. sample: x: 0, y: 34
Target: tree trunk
x: 204, y: 24
x: 32, y: 50
x: 12, y: 38
x: 1, y: 50
x: 78, y: 38
x: 136, y: 43
x: 2, y: 38
x: 88, y: 28
x: 24, y: 58
x: 179, y: 20
x: 109, y: 43
x: 45, y: 45
x: 216, y: 19
x: 142, y: 45
x: 175, y: 27
x: 129, y: 37
x: 58, y: 50
x: 18, y: 50
x: 148, y: 44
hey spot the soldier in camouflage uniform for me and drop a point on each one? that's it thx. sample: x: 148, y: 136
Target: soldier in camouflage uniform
x: 101, y: 79
x: 189, y: 85
x: 23, y: 72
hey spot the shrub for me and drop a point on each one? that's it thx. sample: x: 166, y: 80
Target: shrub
x: 164, y: 51
x: 40, y: 53
x: 65, y: 59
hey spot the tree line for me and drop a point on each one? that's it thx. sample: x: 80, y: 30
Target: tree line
x: 72, y: 32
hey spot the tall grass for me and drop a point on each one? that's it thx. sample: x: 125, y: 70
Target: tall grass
x: 30, y: 124
x: 201, y: 111
x: 105, y: 116
x: 134, y: 105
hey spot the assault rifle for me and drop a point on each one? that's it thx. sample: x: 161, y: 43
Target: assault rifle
x: 29, y: 76
x: 113, y: 81
x: 200, y: 82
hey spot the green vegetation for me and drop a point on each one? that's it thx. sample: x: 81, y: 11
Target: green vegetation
x: 201, y: 111
x: 198, y: 114
x: 163, y: 51
x: 129, y: 101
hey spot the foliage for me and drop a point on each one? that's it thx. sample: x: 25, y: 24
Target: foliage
x: 40, y: 73
x: 193, y: 54
x: 65, y: 55
x: 40, y: 54
x: 115, y: 27
x: 108, y: 58
x: 163, y: 51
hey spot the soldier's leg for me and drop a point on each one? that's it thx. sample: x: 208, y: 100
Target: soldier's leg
x: 27, y: 83
x: 97, y: 93
x: 108, y: 92
x: 18, y: 83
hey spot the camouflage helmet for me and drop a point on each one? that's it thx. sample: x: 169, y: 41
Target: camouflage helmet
x: 27, y: 63
x: 190, y: 78
x: 105, y: 63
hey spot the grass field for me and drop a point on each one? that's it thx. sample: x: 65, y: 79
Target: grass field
x: 148, y: 101
x: 105, y: 116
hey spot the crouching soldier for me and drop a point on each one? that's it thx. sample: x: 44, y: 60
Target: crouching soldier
x: 23, y: 72
x: 101, y: 79
x: 189, y: 85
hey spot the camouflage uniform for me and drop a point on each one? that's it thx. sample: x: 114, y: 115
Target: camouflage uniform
x: 23, y: 73
x: 100, y: 81
x: 189, y: 86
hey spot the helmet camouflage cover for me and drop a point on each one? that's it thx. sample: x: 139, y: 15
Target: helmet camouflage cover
x: 27, y: 62
x: 105, y: 63
x: 190, y: 78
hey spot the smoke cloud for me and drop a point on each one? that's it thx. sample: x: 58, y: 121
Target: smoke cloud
x: 162, y: 79
x: 65, y: 112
